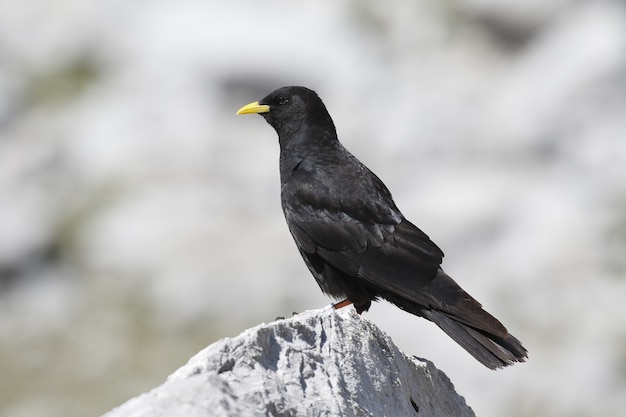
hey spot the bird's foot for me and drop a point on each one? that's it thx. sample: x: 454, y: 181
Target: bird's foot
x: 294, y: 313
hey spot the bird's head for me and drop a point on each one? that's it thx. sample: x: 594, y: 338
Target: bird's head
x: 287, y: 109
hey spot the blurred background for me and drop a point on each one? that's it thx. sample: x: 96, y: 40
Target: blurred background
x: 140, y: 218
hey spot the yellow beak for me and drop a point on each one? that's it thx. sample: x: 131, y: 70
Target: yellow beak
x: 254, y: 107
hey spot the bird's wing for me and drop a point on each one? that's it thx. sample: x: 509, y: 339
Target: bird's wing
x: 398, y: 259
x: 363, y: 235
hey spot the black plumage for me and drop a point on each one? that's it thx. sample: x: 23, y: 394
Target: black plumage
x: 356, y: 242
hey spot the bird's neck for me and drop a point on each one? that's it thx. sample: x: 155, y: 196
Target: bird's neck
x: 309, y: 142
x: 307, y: 147
x: 306, y: 136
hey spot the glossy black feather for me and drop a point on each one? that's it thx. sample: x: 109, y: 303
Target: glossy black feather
x: 356, y: 242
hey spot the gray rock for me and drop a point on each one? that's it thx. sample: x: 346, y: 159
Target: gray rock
x: 317, y: 363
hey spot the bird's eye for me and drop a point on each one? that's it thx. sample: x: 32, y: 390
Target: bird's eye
x: 283, y: 100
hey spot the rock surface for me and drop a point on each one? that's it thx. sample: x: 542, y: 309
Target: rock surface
x: 317, y: 363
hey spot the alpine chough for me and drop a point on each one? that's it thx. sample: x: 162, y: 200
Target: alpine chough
x: 355, y: 241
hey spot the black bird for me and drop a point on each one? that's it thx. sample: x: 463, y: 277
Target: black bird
x: 356, y: 242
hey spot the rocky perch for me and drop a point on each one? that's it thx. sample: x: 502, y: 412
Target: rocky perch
x: 317, y: 363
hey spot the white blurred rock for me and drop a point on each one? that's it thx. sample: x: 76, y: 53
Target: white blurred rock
x: 318, y: 363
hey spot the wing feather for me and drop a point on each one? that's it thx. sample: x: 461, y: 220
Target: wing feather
x: 362, y: 235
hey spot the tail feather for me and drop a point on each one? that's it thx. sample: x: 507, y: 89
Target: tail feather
x: 491, y: 350
x: 446, y: 304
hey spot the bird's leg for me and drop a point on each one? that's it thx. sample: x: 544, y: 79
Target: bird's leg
x: 342, y: 304
x: 358, y: 307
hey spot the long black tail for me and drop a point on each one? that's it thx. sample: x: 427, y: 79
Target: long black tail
x: 491, y: 350
x: 464, y: 320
